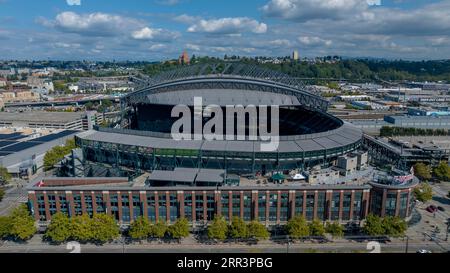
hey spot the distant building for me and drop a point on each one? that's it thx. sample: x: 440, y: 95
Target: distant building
x: 295, y: 55
x: 184, y: 58
x: 3, y: 82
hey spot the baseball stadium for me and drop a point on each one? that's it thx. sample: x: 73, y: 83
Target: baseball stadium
x: 142, y: 141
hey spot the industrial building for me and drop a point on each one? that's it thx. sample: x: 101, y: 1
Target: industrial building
x: 51, y: 120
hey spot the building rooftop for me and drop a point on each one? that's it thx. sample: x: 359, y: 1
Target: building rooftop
x: 41, y: 116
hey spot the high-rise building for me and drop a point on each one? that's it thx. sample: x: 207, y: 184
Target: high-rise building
x: 295, y: 55
x: 184, y: 58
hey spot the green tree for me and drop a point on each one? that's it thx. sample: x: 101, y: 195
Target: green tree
x: 140, y: 228
x: 423, y: 192
x: 22, y: 224
x: 238, y: 228
x: 218, y: 228
x: 422, y: 171
x: 80, y: 228
x: 2, y: 194
x: 57, y: 153
x: 316, y: 228
x: 335, y: 229
x: 442, y: 171
x: 59, y: 230
x: 5, y: 176
x: 394, y: 226
x: 257, y: 231
x: 180, y: 229
x: 5, y: 226
x: 104, y: 228
x: 89, y: 106
x: 373, y: 225
x: 297, y: 227
x: 158, y: 230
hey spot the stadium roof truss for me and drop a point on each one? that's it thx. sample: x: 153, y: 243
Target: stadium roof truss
x: 227, y: 76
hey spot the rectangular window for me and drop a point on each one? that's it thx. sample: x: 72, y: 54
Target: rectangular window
x: 298, y: 203
x: 125, y: 208
x: 284, y: 209
x: 101, y: 208
x: 391, y: 204
x: 335, y: 202
x: 64, y: 204
x: 225, y: 201
x: 346, y: 206
x: 188, y: 206
x: 236, y: 205
x: 310, y: 206
x: 51, y: 203
x: 137, y: 206
x: 41, y: 207
x: 88, y: 204
x: 114, y: 200
x: 357, y: 204
x: 321, y: 205
x: 247, y: 206
x: 210, y: 206
x: 199, y: 207
x: 151, y: 207
x: 273, y: 205
x: 262, y: 206
x: 77, y: 204
x: 162, y: 209
x: 173, y: 207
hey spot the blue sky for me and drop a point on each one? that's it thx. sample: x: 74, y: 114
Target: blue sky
x: 160, y: 29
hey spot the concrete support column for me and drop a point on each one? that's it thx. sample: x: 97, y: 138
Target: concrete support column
x: 180, y: 199
x: 94, y: 203
x: 143, y: 199
x: 255, y: 205
x: 291, y: 204
x: 58, y: 203
x: 107, y: 202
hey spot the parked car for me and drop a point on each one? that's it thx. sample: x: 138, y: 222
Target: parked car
x: 440, y: 208
x: 431, y: 209
x: 423, y: 251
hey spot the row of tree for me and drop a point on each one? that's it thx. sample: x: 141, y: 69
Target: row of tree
x: 141, y: 229
x: 57, y: 153
x: 388, y: 131
x: 298, y: 227
x: 238, y: 229
x: 426, y: 172
x: 101, y: 228
x: 18, y: 225
x: 391, y: 226
x: 347, y: 69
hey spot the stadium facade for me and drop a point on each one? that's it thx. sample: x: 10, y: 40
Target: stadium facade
x: 198, y: 179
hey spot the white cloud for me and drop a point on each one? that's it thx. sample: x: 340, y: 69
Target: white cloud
x: 228, y: 26
x: 304, y: 10
x: 193, y: 47
x: 157, y: 47
x: 314, y: 41
x: 147, y: 33
x: 94, y: 24
x: 73, y: 2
